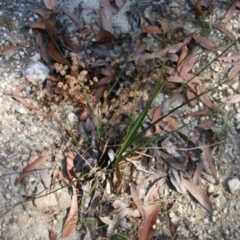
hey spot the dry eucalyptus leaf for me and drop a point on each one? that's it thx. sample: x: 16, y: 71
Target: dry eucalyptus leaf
x: 205, y: 42
x: 234, y: 71
x: 30, y: 168
x: 106, y: 15
x: 145, y: 231
x: 71, y: 221
x: 51, y: 4
x: 199, y: 194
x: 231, y: 10
x: 230, y: 59
x: 151, y: 29
x: 188, y: 63
x: 232, y: 99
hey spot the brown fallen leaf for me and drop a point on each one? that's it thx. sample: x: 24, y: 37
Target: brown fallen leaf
x: 105, y: 36
x: 51, y: 4
x: 196, y: 113
x: 30, y: 168
x: 16, y: 95
x: 11, y: 49
x: 120, y: 3
x: 231, y: 10
x: 204, y: 98
x: 106, y: 15
x: 199, y: 194
x: 145, y: 230
x: 151, y: 29
x: 231, y: 99
x: 188, y: 64
x: 234, y: 71
x: 43, y: 24
x: 224, y: 30
x: 197, y: 173
x: 230, y: 59
x: 51, y: 234
x: 211, y: 161
x: 205, y: 42
x: 169, y: 124
x: 182, y: 57
x: 137, y: 201
x: 70, y: 165
x: 54, y: 54
x: 71, y: 221
x: 157, y: 113
x: 42, y: 48
x: 191, y: 95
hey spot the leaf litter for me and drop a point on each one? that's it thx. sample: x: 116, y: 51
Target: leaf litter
x: 113, y: 82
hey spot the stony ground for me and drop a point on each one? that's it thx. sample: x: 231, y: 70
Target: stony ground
x: 24, y: 137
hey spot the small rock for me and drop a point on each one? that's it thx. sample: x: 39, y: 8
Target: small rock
x: 72, y: 118
x: 38, y: 71
x: 233, y: 185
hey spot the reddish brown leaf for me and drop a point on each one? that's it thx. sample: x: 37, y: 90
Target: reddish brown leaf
x: 191, y: 95
x: 70, y: 165
x: 205, y: 42
x: 103, y: 82
x: 171, y: 226
x: 51, y: 234
x: 69, y: 44
x: 188, y: 64
x: 145, y: 230
x: 30, y: 168
x: 151, y: 29
x: 157, y: 113
x: 54, y: 54
x: 182, y: 57
x: 196, y: 113
x: 234, y: 71
x: 105, y: 36
x: 231, y: 10
x: 197, y: 173
x: 209, y: 157
x: 72, y: 218
x: 199, y: 194
x: 204, y: 98
x: 43, y: 24
x: 106, y: 15
x: 11, y: 49
x: 169, y: 124
x: 233, y: 58
x: 51, y: 4
x: 224, y: 30
x: 42, y: 48
x: 232, y: 99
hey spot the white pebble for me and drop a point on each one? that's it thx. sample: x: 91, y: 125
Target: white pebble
x: 233, y: 185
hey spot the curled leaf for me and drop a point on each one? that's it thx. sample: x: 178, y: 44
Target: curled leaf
x: 30, y: 168
x: 145, y: 230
